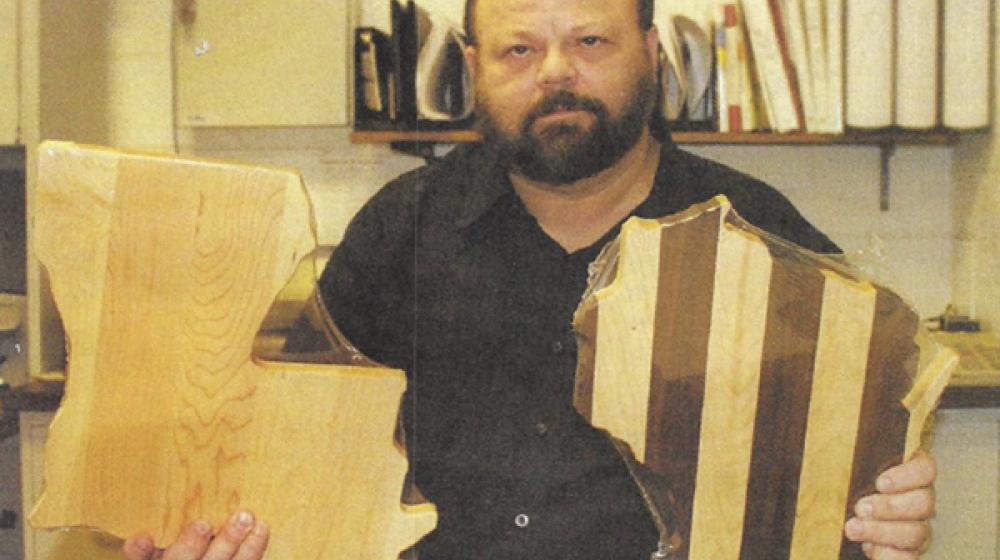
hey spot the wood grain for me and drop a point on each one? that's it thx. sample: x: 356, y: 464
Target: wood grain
x: 780, y: 384
x: 732, y: 378
x: 619, y: 407
x: 163, y: 271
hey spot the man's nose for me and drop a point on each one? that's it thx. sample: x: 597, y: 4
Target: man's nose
x: 557, y: 69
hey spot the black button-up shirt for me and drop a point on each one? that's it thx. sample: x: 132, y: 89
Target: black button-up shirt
x: 446, y: 275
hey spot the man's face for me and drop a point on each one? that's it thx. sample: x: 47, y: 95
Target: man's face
x: 564, y: 87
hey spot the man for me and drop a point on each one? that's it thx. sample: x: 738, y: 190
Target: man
x: 466, y: 273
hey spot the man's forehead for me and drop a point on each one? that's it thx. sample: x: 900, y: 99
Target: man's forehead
x: 490, y: 13
x: 566, y: 6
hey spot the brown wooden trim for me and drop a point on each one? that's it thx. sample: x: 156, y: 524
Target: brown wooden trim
x: 586, y: 340
x: 881, y: 434
x: 680, y: 357
x: 794, y: 311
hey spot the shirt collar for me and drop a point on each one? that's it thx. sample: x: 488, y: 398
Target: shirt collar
x: 486, y: 183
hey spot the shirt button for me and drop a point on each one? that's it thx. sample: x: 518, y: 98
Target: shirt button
x: 541, y: 428
x: 557, y: 347
x: 522, y: 520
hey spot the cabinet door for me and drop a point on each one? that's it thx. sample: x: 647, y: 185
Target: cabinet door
x: 8, y: 72
x: 262, y: 63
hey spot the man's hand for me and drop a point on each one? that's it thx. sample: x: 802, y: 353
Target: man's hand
x: 893, y: 524
x: 241, y: 539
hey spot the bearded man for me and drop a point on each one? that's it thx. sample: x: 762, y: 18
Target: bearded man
x: 465, y: 273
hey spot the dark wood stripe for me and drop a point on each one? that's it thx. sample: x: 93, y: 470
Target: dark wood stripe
x: 680, y: 354
x: 892, y: 363
x: 793, y: 318
x: 585, y: 325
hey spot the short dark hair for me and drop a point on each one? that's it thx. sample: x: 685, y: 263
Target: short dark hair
x: 645, y: 18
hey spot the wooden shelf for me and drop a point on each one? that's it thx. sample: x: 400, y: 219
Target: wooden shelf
x: 389, y: 136
x: 881, y: 137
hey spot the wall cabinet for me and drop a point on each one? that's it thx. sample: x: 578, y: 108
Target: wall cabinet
x: 262, y: 63
x: 9, y: 93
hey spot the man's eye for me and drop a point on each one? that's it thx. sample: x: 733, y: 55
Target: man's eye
x: 518, y: 50
x: 591, y: 40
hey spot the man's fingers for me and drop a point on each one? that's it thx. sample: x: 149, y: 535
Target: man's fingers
x: 240, y: 539
x: 902, y: 535
x: 875, y: 552
x: 918, y: 472
x: 228, y: 542
x: 255, y: 543
x: 192, y: 543
x: 914, y: 505
x: 139, y: 547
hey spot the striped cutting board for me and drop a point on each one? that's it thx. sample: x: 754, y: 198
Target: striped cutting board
x: 768, y: 384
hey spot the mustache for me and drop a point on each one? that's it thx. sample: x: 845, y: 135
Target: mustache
x: 564, y: 101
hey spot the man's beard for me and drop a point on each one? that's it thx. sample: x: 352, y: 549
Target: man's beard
x: 563, y: 153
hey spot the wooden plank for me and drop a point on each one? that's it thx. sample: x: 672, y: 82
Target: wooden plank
x: 676, y: 409
x: 624, y: 409
x: 792, y: 329
x: 782, y: 383
x: 732, y: 378
x: 163, y: 270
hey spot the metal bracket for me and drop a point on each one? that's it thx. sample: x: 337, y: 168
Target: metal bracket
x: 886, y: 151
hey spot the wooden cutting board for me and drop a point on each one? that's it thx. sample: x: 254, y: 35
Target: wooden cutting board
x: 163, y: 270
x: 768, y: 385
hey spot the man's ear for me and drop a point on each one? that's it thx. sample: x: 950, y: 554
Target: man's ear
x: 471, y: 59
x: 653, y: 43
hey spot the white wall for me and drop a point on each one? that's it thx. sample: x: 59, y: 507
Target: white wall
x: 837, y: 188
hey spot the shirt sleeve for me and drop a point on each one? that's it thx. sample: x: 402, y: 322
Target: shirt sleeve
x: 367, y: 285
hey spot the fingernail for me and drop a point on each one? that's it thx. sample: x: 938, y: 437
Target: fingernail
x: 853, y: 529
x: 202, y: 527
x: 244, y: 519
x: 884, y: 484
x: 865, y: 509
x: 260, y: 529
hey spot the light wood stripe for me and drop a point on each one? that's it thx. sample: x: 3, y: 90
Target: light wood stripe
x: 834, y: 416
x: 626, y: 306
x: 739, y: 314
x: 927, y: 388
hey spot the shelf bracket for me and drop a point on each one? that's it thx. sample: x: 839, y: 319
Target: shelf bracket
x: 886, y: 151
